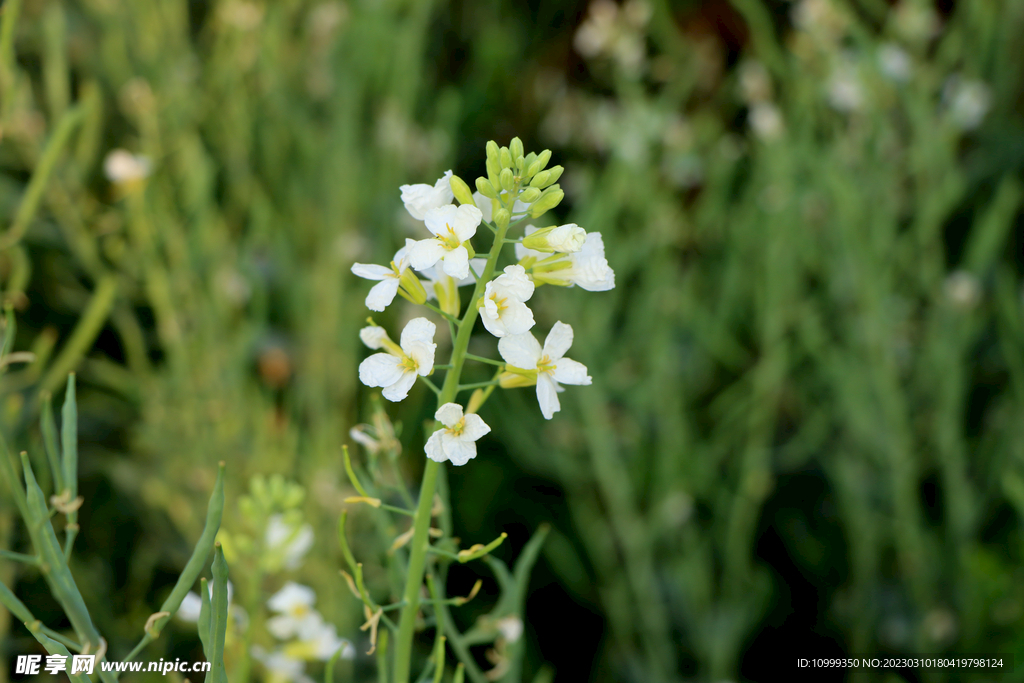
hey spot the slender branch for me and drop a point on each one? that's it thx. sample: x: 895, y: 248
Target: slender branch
x: 481, y: 359
x: 447, y: 316
x: 431, y: 386
x: 477, y: 385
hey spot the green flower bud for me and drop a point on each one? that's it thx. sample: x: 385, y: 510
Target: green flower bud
x: 520, y: 164
x: 556, y: 173
x: 501, y: 217
x: 515, y: 148
x: 538, y: 164
x: 412, y: 287
x: 461, y: 190
x: 540, y: 179
x: 447, y: 291
x: 506, y: 179
x: 492, y: 151
x: 530, y: 158
x: 529, y: 195
x: 505, y: 158
x: 493, y: 169
x: 547, y: 201
x: 484, y: 187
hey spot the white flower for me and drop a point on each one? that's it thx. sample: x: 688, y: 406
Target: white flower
x: 421, y: 198
x: 359, y: 435
x: 587, y: 268
x: 121, y: 166
x: 766, y: 121
x: 511, y: 628
x: 453, y: 226
x: 192, y: 603
x: 295, y: 614
x: 487, y: 209
x: 457, y: 440
x: 894, y: 62
x: 396, y: 370
x: 383, y: 293
x: 845, y: 91
x: 968, y: 102
x: 503, y: 308
x: 524, y: 351
x: 293, y: 543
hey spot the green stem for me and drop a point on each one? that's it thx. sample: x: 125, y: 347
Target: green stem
x: 421, y: 525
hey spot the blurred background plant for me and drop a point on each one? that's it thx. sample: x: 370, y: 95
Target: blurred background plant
x: 804, y: 434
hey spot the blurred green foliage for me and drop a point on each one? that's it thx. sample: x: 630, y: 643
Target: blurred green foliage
x: 804, y: 434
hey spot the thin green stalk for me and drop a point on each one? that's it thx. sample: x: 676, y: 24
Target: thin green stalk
x: 421, y: 524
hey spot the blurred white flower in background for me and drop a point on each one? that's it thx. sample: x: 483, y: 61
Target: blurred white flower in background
x: 292, y: 541
x: 122, y: 167
x: 967, y: 101
x: 894, y: 62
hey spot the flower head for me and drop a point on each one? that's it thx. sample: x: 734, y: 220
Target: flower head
x: 587, y: 268
x: 121, y: 166
x: 524, y: 352
x: 453, y: 227
x: 318, y: 641
x: 503, y: 308
x: 456, y: 441
x: 396, y: 370
x: 391, y: 278
x: 294, y: 607
x: 421, y: 198
x: 519, y: 209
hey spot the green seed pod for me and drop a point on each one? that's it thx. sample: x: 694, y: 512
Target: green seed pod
x: 548, y: 201
x: 461, y: 190
x: 501, y: 217
x: 484, y: 187
x: 529, y: 195
x: 540, y: 179
x: 492, y: 151
x: 505, y: 158
x: 515, y: 148
x: 506, y: 179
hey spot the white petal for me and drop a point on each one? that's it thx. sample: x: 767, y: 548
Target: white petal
x: 520, y: 350
x: 475, y: 427
x: 456, y: 263
x: 298, y: 548
x: 439, y: 219
x: 517, y: 317
x: 401, y: 258
x: 514, y: 283
x: 418, y: 330
x: 569, y: 371
x: 282, y: 626
x: 449, y: 414
x: 420, y: 198
x: 547, y: 396
x: 567, y: 238
x: 590, y: 269
x: 558, y: 341
x: 380, y: 370
x: 425, y: 253
x: 400, y: 389
x: 433, y: 447
x: 484, y: 204
x: 423, y: 354
x: 492, y: 323
x: 382, y: 294
x: 371, y: 271
x: 467, y: 218
x: 291, y: 595
x: 458, y: 450
x: 373, y: 336
x: 189, y: 608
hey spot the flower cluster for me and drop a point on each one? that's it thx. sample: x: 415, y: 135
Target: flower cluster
x: 518, y: 187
